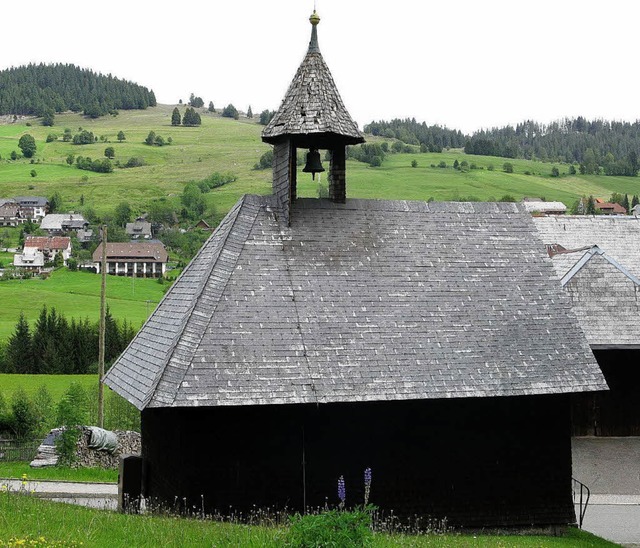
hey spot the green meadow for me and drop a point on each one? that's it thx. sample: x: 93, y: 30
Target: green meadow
x: 227, y: 145
x: 77, y: 295
x: 220, y: 144
x: 56, y: 385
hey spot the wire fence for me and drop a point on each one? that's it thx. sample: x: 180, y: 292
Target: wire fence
x: 18, y: 450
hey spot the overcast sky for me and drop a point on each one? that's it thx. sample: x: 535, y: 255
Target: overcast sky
x: 464, y: 64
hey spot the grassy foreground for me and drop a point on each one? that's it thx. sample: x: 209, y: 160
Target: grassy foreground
x: 22, y: 516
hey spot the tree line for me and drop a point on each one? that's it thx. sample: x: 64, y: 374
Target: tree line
x: 57, y: 346
x: 42, y: 90
x: 409, y: 131
x: 598, y: 146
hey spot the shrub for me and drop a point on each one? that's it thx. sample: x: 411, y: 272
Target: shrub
x: 43, y: 408
x: 414, y: 163
x: 507, y: 167
x: 72, y: 413
x: 24, y: 421
x: 83, y: 138
x: 134, y: 161
x: 230, y: 112
x: 266, y: 160
x: 442, y: 164
x: 51, y: 137
x: 331, y: 528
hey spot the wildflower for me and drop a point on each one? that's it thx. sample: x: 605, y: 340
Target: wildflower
x: 367, y: 485
x: 342, y: 491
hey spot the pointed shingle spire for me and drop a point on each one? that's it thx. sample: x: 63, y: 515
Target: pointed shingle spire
x: 312, y: 109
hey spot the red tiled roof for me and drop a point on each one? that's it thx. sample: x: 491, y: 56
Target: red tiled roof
x: 47, y: 242
x: 613, y: 207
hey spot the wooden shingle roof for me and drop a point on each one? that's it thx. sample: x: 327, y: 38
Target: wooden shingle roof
x: 617, y: 236
x: 399, y: 300
x: 312, y: 106
x: 598, y: 264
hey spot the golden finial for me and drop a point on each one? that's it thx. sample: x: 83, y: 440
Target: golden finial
x: 314, y: 19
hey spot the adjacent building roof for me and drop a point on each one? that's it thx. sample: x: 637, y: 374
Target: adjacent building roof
x: 597, y: 259
x: 363, y: 301
x: 60, y: 221
x: 29, y: 258
x: 312, y: 104
x: 610, y: 208
x: 47, y: 242
x: 544, y: 207
x: 618, y: 237
x: 32, y: 201
x: 133, y: 252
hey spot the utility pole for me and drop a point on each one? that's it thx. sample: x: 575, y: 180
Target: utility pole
x: 101, y: 340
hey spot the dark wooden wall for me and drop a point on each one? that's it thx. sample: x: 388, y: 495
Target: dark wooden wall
x: 477, y: 462
x: 617, y: 411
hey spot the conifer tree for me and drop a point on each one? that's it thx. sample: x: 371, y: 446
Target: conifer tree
x: 249, y: 112
x: 19, y: 354
x: 175, y: 117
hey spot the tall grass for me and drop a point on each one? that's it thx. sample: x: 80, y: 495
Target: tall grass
x: 22, y: 516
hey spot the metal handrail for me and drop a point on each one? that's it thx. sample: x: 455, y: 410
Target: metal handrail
x: 583, y: 502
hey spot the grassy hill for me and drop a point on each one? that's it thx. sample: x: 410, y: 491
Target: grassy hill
x: 227, y: 145
x: 220, y: 144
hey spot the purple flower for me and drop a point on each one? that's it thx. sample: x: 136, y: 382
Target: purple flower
x: 342, y: 491
x: 367, y: 485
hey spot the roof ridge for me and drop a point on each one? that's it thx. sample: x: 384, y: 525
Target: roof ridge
x: 196, y: 301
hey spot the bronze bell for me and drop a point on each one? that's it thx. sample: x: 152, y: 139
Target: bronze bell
x: 314, y: 165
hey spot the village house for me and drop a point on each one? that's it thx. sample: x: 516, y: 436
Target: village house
x: 597, y: 262
x: 139, y: 230
x: 10, y: 213
x: 32, y: 208
x: 140, y: 259
x: 59, y: 224
x: 49, y: 246
x: 609, y: 208
x: 30, y: 259
x: 313, y: 338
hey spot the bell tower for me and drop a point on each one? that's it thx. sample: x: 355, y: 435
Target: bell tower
x: 312, y: 116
